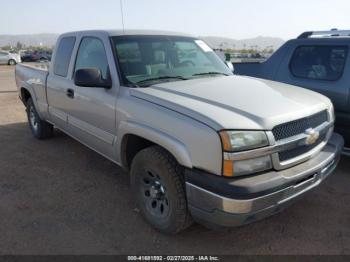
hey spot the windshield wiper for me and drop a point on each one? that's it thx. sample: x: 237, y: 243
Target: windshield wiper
x: 160, y: 78
x: 210, y: 73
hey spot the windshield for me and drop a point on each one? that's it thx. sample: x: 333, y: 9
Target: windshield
x: 145, y: 60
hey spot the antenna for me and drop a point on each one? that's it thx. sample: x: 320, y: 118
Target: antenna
x: 122, y: 13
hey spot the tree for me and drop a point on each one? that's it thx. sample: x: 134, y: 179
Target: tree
x: 19, y: 46
x: 6, y: 48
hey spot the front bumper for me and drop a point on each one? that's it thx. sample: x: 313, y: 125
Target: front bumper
x: 238, y: 201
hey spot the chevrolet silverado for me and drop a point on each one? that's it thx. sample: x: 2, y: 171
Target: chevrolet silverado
x: 200, y: 143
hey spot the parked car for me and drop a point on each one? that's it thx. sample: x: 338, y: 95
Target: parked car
x: 43, y: 55
x: 7, y: 58
x: 26, y: 56
x: 255, y: 55
x: 199, y: 142
x: 315, y: 60
x: 36, y: 56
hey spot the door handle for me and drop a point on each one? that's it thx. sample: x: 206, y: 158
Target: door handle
x: 70, y: 93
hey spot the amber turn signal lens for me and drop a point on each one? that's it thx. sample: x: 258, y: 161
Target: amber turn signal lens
x: 228, y: 168
x: 225, y: 139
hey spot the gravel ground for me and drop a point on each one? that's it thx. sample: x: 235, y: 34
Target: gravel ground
x: 59, y: 197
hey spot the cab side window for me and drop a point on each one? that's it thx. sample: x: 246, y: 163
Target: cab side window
x: 63, y: 56
x: 319, y: 62
x: 92, y: 54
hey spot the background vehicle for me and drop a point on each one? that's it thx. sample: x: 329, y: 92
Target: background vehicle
x: 197, y: 143
x: 315, y: 60
x: 44, y: 55
x: 26, y: 56
x: 35, y: 56
x: 7, y: 58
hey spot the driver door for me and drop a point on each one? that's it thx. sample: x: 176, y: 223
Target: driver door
x: 92, y: 111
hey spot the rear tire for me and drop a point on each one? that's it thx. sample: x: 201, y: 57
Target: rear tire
x: 40, y: 128
x: 12, y: 62
x: 158, y: 187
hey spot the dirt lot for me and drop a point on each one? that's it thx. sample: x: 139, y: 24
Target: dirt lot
x: 58, y: 197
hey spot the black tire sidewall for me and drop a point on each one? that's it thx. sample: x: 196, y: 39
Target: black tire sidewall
x: 148, y: 160
x: 12, y: 62
x: 36, y: 132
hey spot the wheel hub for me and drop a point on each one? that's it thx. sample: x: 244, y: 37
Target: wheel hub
x: 32, y: 117
x: 154, y: 195
x: 156, y: 191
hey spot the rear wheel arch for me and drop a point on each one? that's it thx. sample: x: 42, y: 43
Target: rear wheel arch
x: 25, y: 95
x: 40, y: 128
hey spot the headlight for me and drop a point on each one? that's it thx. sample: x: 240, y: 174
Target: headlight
x: 235, y: 141
x: 243, y: 140
x: 247, y: 167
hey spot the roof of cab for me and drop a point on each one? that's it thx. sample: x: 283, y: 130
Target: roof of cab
x: 130, y: 32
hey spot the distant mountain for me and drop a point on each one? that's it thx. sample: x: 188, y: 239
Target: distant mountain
x: 261, y: 42
x: 214, y: 41
x: 48, y: 40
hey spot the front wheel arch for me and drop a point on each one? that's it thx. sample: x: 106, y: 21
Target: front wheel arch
x: 143, y: 138
x: 153, y: 136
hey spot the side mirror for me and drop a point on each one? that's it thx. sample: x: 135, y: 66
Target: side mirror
x: 230, y: 65
x: 91, y: 77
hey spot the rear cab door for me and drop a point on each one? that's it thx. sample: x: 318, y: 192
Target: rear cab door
x: 58, y: 80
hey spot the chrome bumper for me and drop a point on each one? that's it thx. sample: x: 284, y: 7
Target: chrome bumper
x: 213, y: 208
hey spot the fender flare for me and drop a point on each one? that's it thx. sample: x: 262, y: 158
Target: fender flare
x: 171, y: 144
x: 29, y: 88
x: 31, y: 91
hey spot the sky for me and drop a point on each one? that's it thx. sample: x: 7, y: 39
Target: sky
x: 237, y: 19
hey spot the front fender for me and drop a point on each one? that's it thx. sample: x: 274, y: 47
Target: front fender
x: 171, y: 144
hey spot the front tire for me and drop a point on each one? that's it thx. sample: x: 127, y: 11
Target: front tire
x: 12, y: 62
x: 158, y: 187
x: 40, y: 128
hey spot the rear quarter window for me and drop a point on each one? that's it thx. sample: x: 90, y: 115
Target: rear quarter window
x: 319, y: 62
x: 63, y: 56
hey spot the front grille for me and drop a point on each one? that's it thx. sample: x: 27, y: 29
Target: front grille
x: 299, y: 126
x: 295, y: 152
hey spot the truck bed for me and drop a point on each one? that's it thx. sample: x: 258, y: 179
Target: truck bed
x: 33, y: 78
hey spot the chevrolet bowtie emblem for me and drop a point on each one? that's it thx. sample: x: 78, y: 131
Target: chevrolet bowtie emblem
x: 312, y: 136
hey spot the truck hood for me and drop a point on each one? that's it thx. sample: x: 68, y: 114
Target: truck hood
x: 235, y: 102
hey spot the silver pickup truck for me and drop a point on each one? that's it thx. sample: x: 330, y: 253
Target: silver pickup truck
x: 199, y: 142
